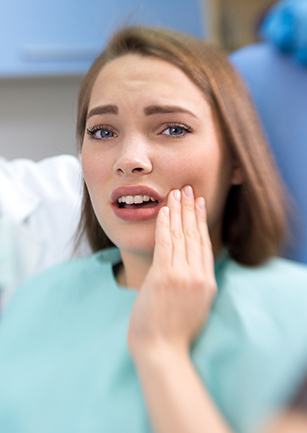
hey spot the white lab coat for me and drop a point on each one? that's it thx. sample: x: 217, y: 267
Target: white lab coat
x: 40, y: 206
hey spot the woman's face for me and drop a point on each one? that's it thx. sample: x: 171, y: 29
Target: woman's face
x: 149, y: 125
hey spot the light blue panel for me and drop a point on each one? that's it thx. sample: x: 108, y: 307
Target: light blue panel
x: 58, y: 37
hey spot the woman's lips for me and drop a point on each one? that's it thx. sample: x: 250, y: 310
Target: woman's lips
x: 135, y: 190
x: 136, y: 214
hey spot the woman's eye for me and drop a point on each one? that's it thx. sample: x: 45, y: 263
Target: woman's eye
x: 101, y: 133
x: 176, y: 130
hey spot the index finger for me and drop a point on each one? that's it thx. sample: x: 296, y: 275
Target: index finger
x: 201, y: 215
x: 163, y: 244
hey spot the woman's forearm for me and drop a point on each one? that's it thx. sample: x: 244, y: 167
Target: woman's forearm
x: 176, y: 398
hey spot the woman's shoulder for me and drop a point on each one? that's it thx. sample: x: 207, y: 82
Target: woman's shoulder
x: 74, y: 269
x: 60, y: 282
x: 51, y: 297
x: 277, y: 288
x: 275, y: 272
x: 273, y: 295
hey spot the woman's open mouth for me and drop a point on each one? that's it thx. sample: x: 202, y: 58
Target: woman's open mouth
x: 140, y: 211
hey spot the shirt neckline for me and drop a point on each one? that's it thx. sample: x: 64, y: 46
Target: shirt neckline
x: 111, y: 256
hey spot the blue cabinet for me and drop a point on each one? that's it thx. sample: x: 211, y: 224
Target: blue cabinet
x: 62, y: 37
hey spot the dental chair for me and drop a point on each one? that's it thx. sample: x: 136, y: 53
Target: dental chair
x: 278, y: 86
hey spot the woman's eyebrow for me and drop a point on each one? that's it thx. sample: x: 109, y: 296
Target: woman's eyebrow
x: 103, y: 109
x: 164, y: 109
x: 150, y: 110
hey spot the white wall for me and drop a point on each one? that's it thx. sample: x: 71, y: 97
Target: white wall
x: 37, y: 116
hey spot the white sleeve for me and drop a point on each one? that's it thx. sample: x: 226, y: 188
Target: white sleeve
x: 45, y: 197
x: 44, y: 178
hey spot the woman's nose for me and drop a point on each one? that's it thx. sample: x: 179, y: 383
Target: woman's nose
x: 134, y: 160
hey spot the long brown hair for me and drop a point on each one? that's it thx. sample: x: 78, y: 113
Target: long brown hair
x: 255, y: 218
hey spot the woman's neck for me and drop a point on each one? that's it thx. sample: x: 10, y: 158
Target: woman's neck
x: 132, y: 271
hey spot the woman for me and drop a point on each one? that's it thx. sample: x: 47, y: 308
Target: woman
x: 178, y: 327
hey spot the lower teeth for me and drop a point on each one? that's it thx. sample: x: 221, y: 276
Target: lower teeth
x: 138, y: 205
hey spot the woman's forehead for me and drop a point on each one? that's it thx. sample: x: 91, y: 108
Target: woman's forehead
x: 146, y: 79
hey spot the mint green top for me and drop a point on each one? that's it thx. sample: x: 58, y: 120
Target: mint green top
x: 65, y: 365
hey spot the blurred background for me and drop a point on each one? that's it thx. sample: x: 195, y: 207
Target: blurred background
x: 47, y: 46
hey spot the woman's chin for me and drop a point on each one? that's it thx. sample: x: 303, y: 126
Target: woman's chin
x: 137, y: 240
x: 136, y: 245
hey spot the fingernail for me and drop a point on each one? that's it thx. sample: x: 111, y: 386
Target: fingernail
x: 201, y: 203
x: 165, y: 210
x: 188, y: 191
x: 177, y: 194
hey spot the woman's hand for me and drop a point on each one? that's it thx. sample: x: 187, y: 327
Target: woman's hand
x: 177, y: 293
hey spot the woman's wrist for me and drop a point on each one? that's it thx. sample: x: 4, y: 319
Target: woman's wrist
x: 159, y: 354
x: 175, y: 395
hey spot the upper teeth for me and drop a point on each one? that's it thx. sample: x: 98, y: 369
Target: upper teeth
x: 130, y: 199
